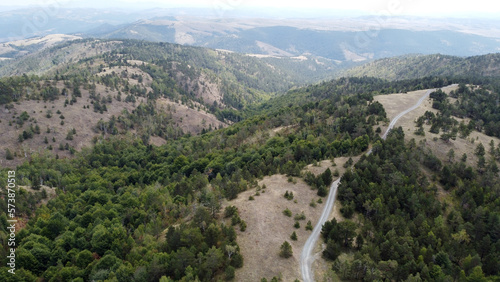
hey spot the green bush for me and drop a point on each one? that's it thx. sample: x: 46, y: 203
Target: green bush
x: 287, y: 212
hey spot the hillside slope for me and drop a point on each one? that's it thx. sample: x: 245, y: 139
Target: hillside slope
x: 156, y: 91
x: 244, y: 76
x: 417, y: 66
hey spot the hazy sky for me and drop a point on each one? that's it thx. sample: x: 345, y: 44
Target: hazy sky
x: 459, y: 8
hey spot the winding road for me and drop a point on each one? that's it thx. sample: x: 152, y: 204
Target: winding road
x: 307, y: 257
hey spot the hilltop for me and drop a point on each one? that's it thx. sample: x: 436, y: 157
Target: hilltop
x: 156, y: 91
x: 417, y: 66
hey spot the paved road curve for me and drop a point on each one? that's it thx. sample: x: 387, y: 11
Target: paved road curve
x: 307, y: 257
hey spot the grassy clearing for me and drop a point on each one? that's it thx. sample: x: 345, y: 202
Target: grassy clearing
x: 395, y: 103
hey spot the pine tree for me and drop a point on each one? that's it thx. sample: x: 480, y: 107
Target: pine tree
x: 480, y: 151
x: 8, y: 154
x: 286, y: 250
x: 451, y: 155
x: 309, y: 225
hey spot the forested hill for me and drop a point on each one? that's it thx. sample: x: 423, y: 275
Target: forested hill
x: 239, y: 73
x: 130, y: 211
x: 417, y: 66
x: 158, y: 91
x: 137, y: 212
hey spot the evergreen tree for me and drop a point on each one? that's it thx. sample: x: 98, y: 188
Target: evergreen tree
x: 8, y: 154
x: 286, y: 250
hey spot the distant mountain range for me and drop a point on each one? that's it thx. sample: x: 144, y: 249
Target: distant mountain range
x: 279, y: 39
x: 340, y: 39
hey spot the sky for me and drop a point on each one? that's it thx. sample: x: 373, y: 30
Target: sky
x: 432, y: 8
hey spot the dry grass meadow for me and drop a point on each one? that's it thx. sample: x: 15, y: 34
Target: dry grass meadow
x: 75, y: 116
x: 268, y: 227
x: 395, y: 103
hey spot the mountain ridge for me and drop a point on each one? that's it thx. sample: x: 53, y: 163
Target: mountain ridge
x: 416, y: 66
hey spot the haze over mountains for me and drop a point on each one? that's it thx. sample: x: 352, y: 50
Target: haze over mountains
x: 337, y: 38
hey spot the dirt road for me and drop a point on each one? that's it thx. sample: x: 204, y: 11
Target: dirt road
x: 307, y: 256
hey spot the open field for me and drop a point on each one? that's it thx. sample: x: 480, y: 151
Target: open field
x: 395, y: 103
x: 45, y: 42
x: 268, y: 227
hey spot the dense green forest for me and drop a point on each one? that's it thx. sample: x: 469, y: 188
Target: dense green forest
x: 403, y: 229
x: 417, y: 66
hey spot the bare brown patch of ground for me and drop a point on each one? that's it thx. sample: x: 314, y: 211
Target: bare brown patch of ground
x: 157, y: 141
x: 137, y: 62
x: 268, y: 227
x: 262, y: 136
x: 51, y: 192
x: 190, y: 119
x: 281, y: 128
x: 209, y: 91
x: 321, y: 166
x: 71, y: 53
x: 45, y: 41
x: 75, y: 116
x: 204, y: 87
x: 396, y: 103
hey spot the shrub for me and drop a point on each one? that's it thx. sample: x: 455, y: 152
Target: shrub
x: 322, y: 191
x: 300, y: 216
x: 235, y: 219
x: 309, y: 225
x: 230, y: 211
x: 312, y: 203
x: 287, y: 212
x: 243, y: 226
x: 229, y: 272
x: 8, y: 154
